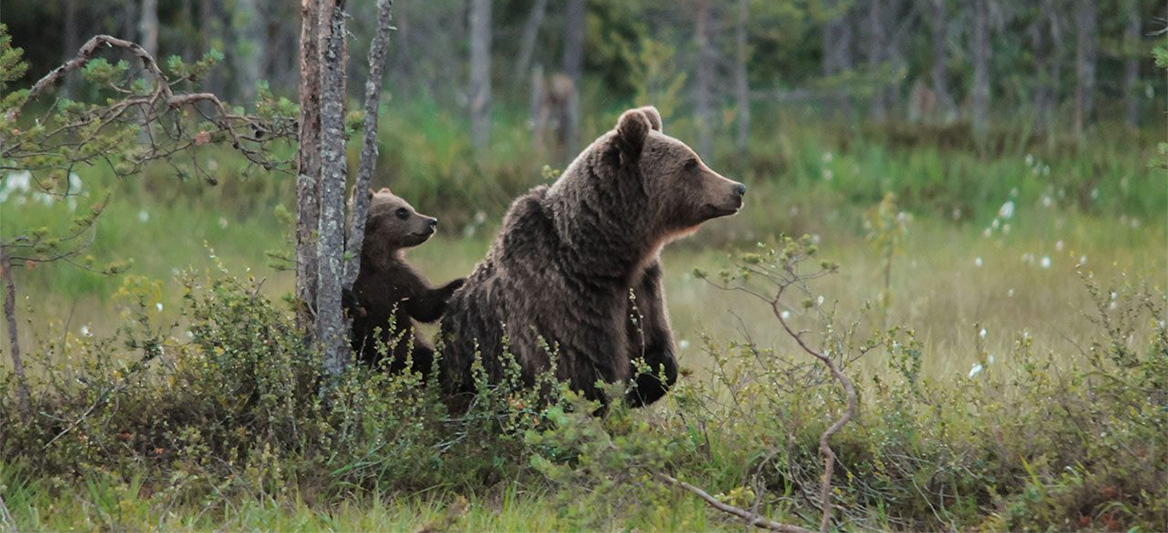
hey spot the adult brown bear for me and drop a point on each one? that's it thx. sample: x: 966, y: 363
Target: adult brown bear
x: 576, y: 268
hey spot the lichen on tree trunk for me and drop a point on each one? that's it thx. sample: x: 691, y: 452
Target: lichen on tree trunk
x: 330, y: 324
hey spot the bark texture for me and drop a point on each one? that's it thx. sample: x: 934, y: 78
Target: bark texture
x: 330, y: 325
x: 837, y: 55
x: 359, y: 199
x: 938, y: 21
x: 22, y: 395
x: 308, y: 165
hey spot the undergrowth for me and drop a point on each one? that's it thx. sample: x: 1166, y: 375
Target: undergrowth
x: 231, y: 407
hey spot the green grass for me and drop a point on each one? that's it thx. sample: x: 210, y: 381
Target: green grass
x: 1100, y: 213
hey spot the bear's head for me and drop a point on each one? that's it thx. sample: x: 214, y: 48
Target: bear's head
x: 683, y: 192
x: 393, y: 224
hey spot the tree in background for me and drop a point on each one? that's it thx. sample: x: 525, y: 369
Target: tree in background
x: 480, y: 74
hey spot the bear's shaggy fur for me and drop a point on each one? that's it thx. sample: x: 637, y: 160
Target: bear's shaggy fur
x: 388, y: 287
x: 576, y: 268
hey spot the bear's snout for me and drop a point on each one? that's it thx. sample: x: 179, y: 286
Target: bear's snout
x: 433, y: 223
x: 740, y: 189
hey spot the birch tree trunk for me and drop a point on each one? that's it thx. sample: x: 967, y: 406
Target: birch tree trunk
x: 980, y: 95
x: 877, y: 45
x: 480, y: 73
x: 22, y: 395
x: 308, y: 165
x: 1084, y: 63
x: 330, y: 324
x: 704, y: 80
x: 938, y: 25
x: 359, y: 199
x: 148, y: 27
x: 530, y: 36
x: 247, y: 54
x: 573, y: 64
x: 837, y: 56
x: 72, y: 43
x: 741, y: 83
x: 1131, y: 65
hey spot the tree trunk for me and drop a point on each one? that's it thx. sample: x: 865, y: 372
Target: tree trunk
x: 308, y: 165
x: 359, y: 200
x: 837, y: 57
x: 704, y: 81
x: 575, y: 24
x: 22, y: 395
x: 980, y: 95
x: 939, y: 19
x: 247, y: 55
x: 72, y: 43
x: 1131, y: 65
x: 530, y: 36
x: 330, y: 324
x: 480, y: 74
x: 148, y: 27
x: 210, y: 31
x: 741, y: 83
x: 1084, y: 64
x: 877, y: 45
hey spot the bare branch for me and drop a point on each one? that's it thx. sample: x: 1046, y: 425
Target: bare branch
x: 850, y: 411
x: 359, y: 199
x: 22, y: 394
x: 83, y: 57
x: 750, y: 518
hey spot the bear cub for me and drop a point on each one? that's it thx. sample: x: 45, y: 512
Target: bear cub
x: 387, y: 287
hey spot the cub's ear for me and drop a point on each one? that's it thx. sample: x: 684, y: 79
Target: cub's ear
x: 385, y: 190
x: 631, y: 131
x: 653, y: 115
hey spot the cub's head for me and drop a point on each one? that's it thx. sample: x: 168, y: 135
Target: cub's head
x: 683, y: 192
x: 393, y: 224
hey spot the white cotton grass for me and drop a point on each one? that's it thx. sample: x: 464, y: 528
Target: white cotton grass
x: 978, y: 262
x: 975, y: 370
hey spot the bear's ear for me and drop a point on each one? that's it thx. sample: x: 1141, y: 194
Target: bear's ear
x: 631, y: 131
x: 385, y: 190
x: 653, y: 115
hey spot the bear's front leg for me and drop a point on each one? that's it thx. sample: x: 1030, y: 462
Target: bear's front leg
x: 431, y: 303
x: 651, y: 340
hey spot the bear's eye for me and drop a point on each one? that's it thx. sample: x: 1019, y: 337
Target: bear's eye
x: 691, y: 165
x: 403, y: 213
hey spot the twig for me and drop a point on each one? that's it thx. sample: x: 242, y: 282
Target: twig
x: 22, y: 394
x: 751, y: 518
x: 824, y: 446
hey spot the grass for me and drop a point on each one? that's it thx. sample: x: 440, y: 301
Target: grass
x: 958, y: 272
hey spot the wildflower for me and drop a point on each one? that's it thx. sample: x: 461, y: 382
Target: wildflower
x: 1007, y: 210
x: 1058, y: 246
x: 1010, y: 293
x: 1045, y: 261
x: 826, y: 157
x: 1047, y: 201
x: 982, y: 333
x: 819, y: 301
x: 785, y: 315
x: 827, y: 174
x: 977, y: 368
x: 85, y: 331
x: 977, y: 261
x: 143, y: 216
x: 158, y: 305
x: 222, y: 223
x: 683, y: 344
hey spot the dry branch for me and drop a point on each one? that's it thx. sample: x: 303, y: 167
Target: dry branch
x: 750, y: 518
x: 359, y: 199
x: 850, y: 411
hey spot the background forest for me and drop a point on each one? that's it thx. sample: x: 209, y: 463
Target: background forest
x: 981, y: 187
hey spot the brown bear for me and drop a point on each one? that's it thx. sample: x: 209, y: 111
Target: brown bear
x: 388, y: 287
x: 576, y: 268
